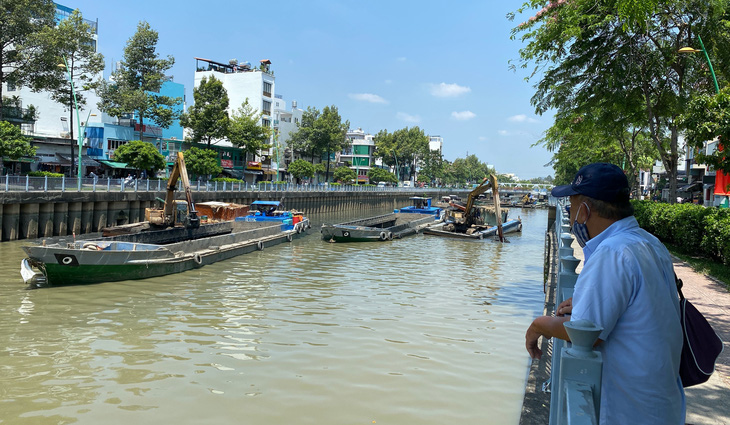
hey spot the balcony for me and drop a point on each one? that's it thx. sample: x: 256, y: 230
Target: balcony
x: 15, y: 114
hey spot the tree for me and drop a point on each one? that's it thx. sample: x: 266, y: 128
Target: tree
x: 19, y: 21
x: 141, y: 156
x: 208, y: 117
x: 377, y: 175
x: 300, y: 168
x: 321, y: 133
x: 135, y: 83
x: 344, y: 174
x: 401, y: 149
x: 73, y: 43
x: 708, y: 118
x: 588, y: 54
x: 13, y: 144
x: 245, y: 129
x: 202, y: 162
x: 432, y: 166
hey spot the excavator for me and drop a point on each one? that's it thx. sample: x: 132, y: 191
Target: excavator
x: 175, y: 213
x: 468, y: 218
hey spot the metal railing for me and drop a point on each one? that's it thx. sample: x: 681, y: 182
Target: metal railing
x: 575, y: 378
x: 10, y: 183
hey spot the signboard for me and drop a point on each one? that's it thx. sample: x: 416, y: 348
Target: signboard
x: 253, y: 165
x: 227, y: 163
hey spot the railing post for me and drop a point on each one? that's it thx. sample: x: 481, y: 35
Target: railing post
x: 148, y: 185
x: 27, y: 181
x: 136, y: 184
x: 108, y: 184
x: 158, y: 184
x: 93, y: 185
x: 63, y: 184
x: 579, y: 392
x: 45, y: 184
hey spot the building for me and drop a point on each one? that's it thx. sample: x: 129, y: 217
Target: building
x: 257, y: 85
x: 436, y: 143
x: 286, y: 122
x: 359, y: 153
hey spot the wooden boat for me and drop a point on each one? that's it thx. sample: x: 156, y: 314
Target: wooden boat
x: 380, y: 228
x: 115, y: 259
x: 269, y: 211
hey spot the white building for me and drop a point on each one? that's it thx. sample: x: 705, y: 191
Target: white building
x: 436, y: 143
x: 285, y: 123
x: 242, y: 82
x: 360, y: 153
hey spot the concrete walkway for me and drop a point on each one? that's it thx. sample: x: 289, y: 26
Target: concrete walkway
x: 709, y: 403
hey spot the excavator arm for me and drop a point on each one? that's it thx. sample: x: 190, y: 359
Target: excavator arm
x: 179, y: 172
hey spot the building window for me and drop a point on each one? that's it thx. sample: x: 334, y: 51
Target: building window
x: 265, y: 122
x: 267, y: 107
x: 267, y: 89
x: 12, y: 86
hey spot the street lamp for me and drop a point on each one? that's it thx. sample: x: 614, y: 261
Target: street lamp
x: 78, y: 118
x: 707, y: 57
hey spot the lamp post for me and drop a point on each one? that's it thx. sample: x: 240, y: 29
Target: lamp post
x: 707, y: 57
x: 78, y: 119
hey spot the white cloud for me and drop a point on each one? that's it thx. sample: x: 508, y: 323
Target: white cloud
x: 522, y: 118
x: 503, y: 132
x: 408, y: 117
x: 483, y: 138
x: 388, y: 81
x: 448, y: 90
x: 401, y: 59
x: 367, y: 97
x: 463, y: 116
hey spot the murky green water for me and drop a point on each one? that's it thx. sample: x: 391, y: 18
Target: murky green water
x: 421, y: 331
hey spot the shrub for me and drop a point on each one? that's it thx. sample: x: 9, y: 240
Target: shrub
x: 227, y: 180
x: 44, y: 174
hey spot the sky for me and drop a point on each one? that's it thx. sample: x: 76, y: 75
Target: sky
x: 386, y: 65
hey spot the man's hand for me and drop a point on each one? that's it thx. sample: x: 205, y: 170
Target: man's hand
x: 545, y: 326
x: 531, y: 338
x: 565, y: 307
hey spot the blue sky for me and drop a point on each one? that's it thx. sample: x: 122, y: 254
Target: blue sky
x: 441, y: 66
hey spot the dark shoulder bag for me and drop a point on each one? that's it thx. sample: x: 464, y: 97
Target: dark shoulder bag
x: 701, y: 346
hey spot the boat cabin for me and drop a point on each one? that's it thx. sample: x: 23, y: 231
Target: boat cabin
x: 420, y: 202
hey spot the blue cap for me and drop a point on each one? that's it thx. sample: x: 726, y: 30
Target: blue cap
x: 600, y: 180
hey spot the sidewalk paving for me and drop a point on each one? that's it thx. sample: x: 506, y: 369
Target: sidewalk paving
x: 708, y: 403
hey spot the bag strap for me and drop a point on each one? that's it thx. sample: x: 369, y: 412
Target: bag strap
x: 679, y: 286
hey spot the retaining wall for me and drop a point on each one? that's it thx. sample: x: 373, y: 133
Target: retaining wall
x: 30, y: 215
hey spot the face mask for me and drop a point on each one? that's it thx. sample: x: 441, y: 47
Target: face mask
x: 580, y: 231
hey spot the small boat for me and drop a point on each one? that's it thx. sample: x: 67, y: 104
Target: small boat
x: 380, y: 228
x: 421, y: 205
x: 114, y: 259
x: 269, y: 211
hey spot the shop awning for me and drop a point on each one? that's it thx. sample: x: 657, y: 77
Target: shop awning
x: 114, y: 164
x: 256, y: 173
x: 694, y: 187
x: 21, y: 159
x: 66, y: 160
x: 237, y: 174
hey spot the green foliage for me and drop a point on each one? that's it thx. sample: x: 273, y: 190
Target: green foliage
x: 707, y: 118
x: 321, y: 133
x: 402, y: 148
x: 300, y: 168
x: 13, y: 144
x: 141, y: 156
x: 344, y: 174
x: 202, y: 162
x: 618, y: 64
x: 74, y: 47
x: 245, y: 130
x: 20, y: 21
x: 467, y: 170
x: 432, y: 166
x: 141, y: 72
x: 692, y: 229
x: 44, y: 174
x: 208, y: 118
x: 377, y: 175
x: 225, y: 179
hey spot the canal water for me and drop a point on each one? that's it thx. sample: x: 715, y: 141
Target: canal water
x: 420, y: 331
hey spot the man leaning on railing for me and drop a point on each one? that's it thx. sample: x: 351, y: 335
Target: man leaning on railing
x: 627, y: 288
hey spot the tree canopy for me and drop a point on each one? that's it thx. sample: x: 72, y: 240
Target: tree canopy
x: 300, y: 168
x: 619, y: 56
x: 13, y: 144
x: 135, y: 82
x: 207, y: 118
x: 321, y: 133
x: 377, y: 175
x: 141, y: 156
x: 246, y: 131
x: 202, y: 162
x: 20, y: 21
x: 402, y: 149
x: 344, y: 174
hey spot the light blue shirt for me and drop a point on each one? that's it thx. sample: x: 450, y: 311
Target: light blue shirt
x: 627, y: 287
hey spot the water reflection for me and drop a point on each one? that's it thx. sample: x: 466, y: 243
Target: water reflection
x: 421, y: 330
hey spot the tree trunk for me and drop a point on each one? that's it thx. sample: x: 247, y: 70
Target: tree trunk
x: 327, y: 171
x: 71, y: 131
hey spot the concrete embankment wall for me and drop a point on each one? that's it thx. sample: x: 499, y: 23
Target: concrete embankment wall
x: 29, y: 215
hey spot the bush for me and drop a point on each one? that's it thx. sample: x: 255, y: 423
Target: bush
x: 227, y: 180
x: 693, y: 229
x: 44, y: 174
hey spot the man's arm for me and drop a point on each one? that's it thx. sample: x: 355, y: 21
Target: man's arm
x: 545, y: 326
